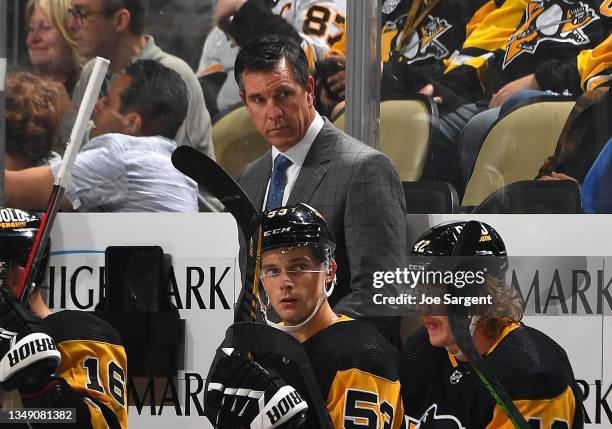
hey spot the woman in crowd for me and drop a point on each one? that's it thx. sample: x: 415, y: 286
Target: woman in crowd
x: 32, y: 121
x: 52, y: 47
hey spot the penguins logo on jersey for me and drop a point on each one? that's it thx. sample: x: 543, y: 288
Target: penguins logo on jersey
x: 430, y: 420
x: 562, y: 22
x: 424, y: 42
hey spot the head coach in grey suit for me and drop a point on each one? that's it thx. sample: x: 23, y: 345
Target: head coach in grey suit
x: 355, y: 187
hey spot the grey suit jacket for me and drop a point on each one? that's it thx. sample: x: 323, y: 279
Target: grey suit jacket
x: 358, y: 191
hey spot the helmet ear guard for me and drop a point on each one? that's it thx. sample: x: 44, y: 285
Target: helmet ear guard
x: 18, y: 230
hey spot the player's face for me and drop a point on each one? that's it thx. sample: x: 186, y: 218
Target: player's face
x: 14, y: 278
x: 439, y: 331
x: 293, y: 280
x: 106, y: 113
x: 281, y: 109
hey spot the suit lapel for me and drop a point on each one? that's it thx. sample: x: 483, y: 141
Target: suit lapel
x: 256, y: 185
x: 315, y: 164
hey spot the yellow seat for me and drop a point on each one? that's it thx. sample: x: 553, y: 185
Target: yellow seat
x: 405, y: 132
x: 236, y: 141
x: 515, y: 148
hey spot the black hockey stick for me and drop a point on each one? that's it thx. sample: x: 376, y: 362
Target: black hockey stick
x: 458, y: 320
x: 212, y: 177
x: 63, y: 176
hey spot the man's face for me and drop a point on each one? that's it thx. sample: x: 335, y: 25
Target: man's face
x: 294, y: 294
x: 93, y: 30
x: 280, y: 107
x: 106, y: 113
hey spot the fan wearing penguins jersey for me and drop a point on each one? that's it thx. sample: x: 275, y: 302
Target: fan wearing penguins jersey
x: 355, y: 367
x: 69, y: 359
x: 440, y: 388
x: 418, y: 36
x: 316, y: 24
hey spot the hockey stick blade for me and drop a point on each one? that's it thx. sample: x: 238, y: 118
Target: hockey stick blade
x: 81, y: 125
x: 212, y: 177
x: 458, y: 321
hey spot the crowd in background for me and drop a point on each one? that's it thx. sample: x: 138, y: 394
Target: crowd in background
x: 475, y: 60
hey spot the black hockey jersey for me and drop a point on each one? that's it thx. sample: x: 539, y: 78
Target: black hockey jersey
x: 436, y: 28
x: 512, y: 40
x: 439, y: 391
x: 357, y: 371
x: 94, y: 365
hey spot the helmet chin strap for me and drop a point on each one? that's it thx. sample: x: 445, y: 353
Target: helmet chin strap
x: 473, y: 323
x: 325, y: 293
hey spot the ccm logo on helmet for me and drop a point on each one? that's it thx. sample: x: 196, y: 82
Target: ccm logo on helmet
x: 30, y: 348
x: 276, y: 231
x: 283, y: 406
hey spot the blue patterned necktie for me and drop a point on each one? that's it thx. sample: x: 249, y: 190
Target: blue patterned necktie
x: 278, y: 181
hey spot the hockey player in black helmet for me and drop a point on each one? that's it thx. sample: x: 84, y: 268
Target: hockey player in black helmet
x: 439, y: 387
x: 48, y: 358
x: 354, y: 366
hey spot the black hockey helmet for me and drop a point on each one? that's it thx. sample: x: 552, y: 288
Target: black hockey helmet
x: 18, y: 229
x: 441, y: 239
x: 295, y: 225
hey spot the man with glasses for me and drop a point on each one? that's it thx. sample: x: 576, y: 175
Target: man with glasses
x: 114, y: 29
x: 355, y: 367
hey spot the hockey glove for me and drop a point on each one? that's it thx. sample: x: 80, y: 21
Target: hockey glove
x: 27, y: 353
x: 243, y: 394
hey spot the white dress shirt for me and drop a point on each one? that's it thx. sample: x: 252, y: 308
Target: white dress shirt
x: 297, y: 155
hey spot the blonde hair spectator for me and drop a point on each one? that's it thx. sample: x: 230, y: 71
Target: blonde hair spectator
x: 52, y: 46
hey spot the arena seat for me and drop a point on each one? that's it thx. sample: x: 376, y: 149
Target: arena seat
x: 406, y: 128
x: 533, y: 197
x: 211, y: 85
x: 516, y: 146
x: 430, y: 197
x: 236, y: 141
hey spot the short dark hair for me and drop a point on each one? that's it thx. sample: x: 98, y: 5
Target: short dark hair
x: 136, y: 9
x: 158, y: 94
x: 263, y: 54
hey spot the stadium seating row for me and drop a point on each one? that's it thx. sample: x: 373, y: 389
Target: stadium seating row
x: 501, y: 181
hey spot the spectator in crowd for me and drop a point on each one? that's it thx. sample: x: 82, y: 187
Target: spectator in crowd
x: 355, y: 187
x: 32, y: 121
x: 317, y: 24
x: 52, y: 47
x: 128, y: 170
x: 596, y: 192
x: 590, y: 69
x: 114, y: 29
x: 417, y: 38
x: 509, y: 42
